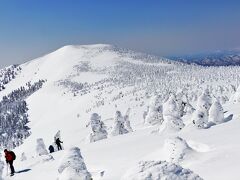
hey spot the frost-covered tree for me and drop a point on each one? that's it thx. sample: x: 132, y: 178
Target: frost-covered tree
x: 176, y: 149
x: 57, y: 135
x: 157, y: 170
x: 204, y: 102
x: 145, y: 113
x: 98, y: 128
x: 223, y: 99
x: 199, y: 119
x: 182, y: 101
x: 118, y: 127
x: 171, y: 115
x: 41, y: 148
x: 127, y: 123
x: 236, y: 96
x: 188, y: 109
x: 72, y: 166
x: 183, y: 104
x: 200, y: 116
x: 216, y: 114
x: 154, y: 115
x: 170, y: 107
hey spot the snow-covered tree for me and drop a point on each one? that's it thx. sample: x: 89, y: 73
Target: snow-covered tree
x: 216, y: 114
x: 118, y: 127
x: 199, y: 119
x: 145, y: 113
x: 157, y: 170
x: 200, y: 116
x: 127, y: 123
x: 57, y: 135
x: 181, y: 101
x: 170, y: 107
x: 223, y: 99
x: 98, y: 128
x: 204, y: 102
x: 183, y: 104
x: 154, y: 115
x: 171, y: 115
x: 72, y: 166
x: 236, y: 96
x: 14, y: 117
x: 176, y: 149
x: 7, y: 74
x: 188, y: 109
x: 41, y: 148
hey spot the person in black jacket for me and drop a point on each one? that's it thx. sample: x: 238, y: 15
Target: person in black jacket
x: 58, y: 143
x: 51, y: 149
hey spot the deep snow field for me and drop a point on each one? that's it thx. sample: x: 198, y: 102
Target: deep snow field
x: 82, y: 80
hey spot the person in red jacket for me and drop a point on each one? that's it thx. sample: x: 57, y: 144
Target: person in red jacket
x: 10, y: 157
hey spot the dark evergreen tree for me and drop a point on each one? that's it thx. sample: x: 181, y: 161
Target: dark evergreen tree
x: 14, y: 117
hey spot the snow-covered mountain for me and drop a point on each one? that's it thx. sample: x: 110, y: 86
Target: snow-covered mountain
x: 121, y: 115
x: 219, y: 58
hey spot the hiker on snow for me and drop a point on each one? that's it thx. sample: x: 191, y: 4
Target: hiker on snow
x: 58, y: 143
x: 51, y: 149
x: 10, y: 157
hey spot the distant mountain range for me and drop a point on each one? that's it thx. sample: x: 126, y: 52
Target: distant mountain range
x: 219, y: 58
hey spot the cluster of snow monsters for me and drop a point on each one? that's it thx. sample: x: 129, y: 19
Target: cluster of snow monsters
x: 208, y: 112
x: 155, y: 79
x: 121, y: 126
x: 168, y: 113
x: 200, y: 97
x: 7, y: 74
x: 149, y: 76
x: 14, y: 117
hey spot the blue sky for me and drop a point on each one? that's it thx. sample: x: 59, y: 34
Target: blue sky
x: 31, y: 28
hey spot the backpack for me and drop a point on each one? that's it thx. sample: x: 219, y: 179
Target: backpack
x: 13, y: 155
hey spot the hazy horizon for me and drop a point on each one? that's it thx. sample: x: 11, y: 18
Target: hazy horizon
x: 164, y: 28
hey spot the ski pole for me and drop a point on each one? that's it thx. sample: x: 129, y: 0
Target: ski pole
x: 7, y: 168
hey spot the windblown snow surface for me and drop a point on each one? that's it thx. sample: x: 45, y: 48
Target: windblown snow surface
x: 87, y: 79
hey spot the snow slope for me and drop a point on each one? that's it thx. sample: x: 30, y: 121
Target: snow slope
x: 82, y: 80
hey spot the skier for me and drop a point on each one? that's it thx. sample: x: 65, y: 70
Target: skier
x: 10, y: 157
x: 58, y: 143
